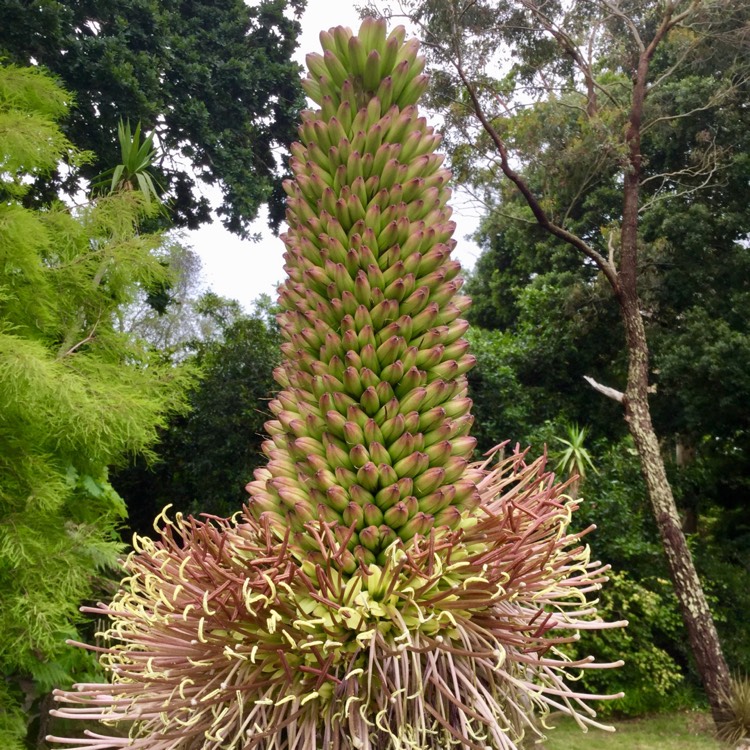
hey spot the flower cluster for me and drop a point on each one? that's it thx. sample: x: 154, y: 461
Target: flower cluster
x: 221, y: 639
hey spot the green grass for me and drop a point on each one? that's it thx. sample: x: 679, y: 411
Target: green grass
x: 683, y: 731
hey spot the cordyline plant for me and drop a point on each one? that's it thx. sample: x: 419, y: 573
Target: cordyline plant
x: 378, y: 591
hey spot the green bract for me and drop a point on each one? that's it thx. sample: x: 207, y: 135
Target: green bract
x: 379, y: 592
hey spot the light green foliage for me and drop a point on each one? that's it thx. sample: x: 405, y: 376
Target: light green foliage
x: 76, y: 395
x: 30, y: 102
x: 572, y: 458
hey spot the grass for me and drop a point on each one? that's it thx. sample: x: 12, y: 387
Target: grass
x: 683, y: 731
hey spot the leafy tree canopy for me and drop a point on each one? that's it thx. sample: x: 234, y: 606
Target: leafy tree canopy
x: 213, y: 80
x: 76, y: 396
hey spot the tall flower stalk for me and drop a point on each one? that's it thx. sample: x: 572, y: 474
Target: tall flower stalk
x: 379, y: 591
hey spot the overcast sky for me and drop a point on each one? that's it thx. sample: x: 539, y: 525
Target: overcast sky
x: 243, y: 270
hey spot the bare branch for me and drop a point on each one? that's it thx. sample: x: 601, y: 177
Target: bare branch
x: 612, y: 393
x: 628, y: 21
x: 715, y: 101
x: 570, y: 48
x: 680, y: 193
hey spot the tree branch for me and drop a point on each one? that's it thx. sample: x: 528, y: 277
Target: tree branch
x: 605, y: 389
x: 539, y: 214
x: 81, y: 343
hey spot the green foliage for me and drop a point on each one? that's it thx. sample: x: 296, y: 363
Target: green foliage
x: 651, y: 678
x: 501, y: 404
x: 137, y: 160
x: 573, y: 460
x: 215, y: 81
x: 205, y: 457
x: 76, y: 395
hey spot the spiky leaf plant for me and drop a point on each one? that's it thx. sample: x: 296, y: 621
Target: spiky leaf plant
x: 379, y: 591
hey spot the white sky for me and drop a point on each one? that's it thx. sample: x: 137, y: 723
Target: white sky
x: 243, y: 270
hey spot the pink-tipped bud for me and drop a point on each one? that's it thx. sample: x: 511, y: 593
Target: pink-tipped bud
x: 359, y: 455
x: 457, y: 407
x: 370, y: 538
x: 401, y: 447
x: 427, y: 358
x: 396, y: 516
x: 353, y: 515
x: 373, y: 514
x: 439, y: 434
x: 421, y: 523
x: 412, y: 465
x: 463, y: 446
x: 360, y: 495
x: 454, y: 468
x: 393, y: 373
x: 337, y: 498
x: 413, y: 401
x: 429, y: 480
x: 384, y: 499
x: 353, y: 433
x: 345, y: 477
x: 370, y: 401
x: 368, y: 476
x: 378, y: 453
x: 450, y: 517
x: 372, y: 432
x: 439, y: 452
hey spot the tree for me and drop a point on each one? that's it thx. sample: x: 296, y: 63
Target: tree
x: 582, y: 114
x: 214, y: 81
x: 76, y: 396
x: 206, y: 456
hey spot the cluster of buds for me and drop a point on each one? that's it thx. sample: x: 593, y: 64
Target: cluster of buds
x: 379, y: 592
x: 371, y: 428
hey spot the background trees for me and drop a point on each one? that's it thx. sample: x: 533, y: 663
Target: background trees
x: 77, y: 395
x: 213, y: 80
x: 207, y: 455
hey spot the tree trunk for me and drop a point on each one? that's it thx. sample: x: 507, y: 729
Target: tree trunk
x: 702, y: 635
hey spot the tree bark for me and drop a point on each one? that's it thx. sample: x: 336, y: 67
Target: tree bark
x: 701, y: 631
x: 702, y: 635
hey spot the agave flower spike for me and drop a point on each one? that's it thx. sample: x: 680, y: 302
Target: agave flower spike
x: 380, y: 591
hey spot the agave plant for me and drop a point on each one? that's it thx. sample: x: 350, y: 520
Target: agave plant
x: 573, y: 459
x: 379, y: 590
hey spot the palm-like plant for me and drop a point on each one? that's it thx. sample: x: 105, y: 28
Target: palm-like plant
x: 379, y: 590
x: 573, y: 460
x: 134, y: 171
